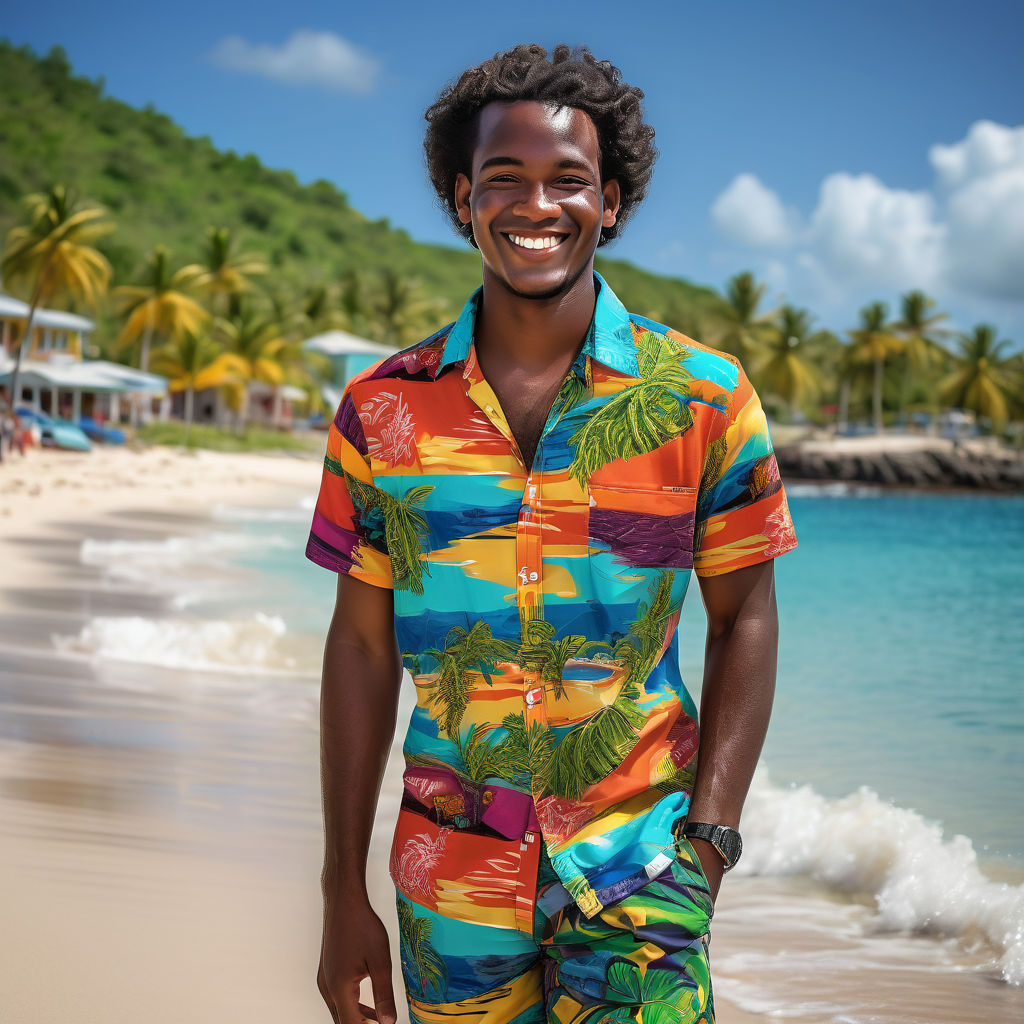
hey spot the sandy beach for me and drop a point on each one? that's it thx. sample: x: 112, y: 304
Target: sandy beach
x: 160, y: 827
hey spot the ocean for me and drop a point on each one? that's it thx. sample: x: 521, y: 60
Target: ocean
x: 893, y: 768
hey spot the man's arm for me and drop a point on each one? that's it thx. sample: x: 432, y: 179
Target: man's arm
x: 740, y: 663
x: 362, y: 675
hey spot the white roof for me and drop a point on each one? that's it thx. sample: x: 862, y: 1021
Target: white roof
x: 14, y: 309
x: 85, y: 375
x: 341, y: 343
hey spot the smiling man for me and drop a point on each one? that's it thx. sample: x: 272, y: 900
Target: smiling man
x: 514, y: 507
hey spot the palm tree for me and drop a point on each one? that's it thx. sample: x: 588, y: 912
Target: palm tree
x: 354, y: 306
x: 193, y: 361
x: 400, y: 311
x: 224, y: 272
x: 922, y: 352
x: 738, y: 328
x: 52, y: 255
x: 159, y: 305
x: 465, y: 650
x: 418, y: 952
x: 540, y: 646
x: 589, y: 752
x: 982, y: 382
x: 403, y: 525
x: 642, y: 645
x: 256, y: 338
x: 874, y: 342
x: 641, y: 417
x: 526, y: 749
x: 785, y: 370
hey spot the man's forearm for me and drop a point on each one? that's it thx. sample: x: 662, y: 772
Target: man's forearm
x: 736, y: 702
x: 358, y: 712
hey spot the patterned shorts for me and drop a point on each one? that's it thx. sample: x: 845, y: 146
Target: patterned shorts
x: 474, y: 952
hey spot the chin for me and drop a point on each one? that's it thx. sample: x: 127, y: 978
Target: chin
x: 547, y: 285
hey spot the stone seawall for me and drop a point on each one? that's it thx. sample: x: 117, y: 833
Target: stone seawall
x: 904, y: 462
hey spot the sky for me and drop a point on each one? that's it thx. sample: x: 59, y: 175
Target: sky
x: 843, y: 153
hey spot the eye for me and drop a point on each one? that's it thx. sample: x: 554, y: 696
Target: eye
x: 502, y: 177
x: 573, y: 180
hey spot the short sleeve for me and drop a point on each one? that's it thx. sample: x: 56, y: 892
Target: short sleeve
x: 347, y: 534
x: 742, y: 515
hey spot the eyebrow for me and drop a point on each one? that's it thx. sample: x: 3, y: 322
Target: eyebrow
x: 569, y: 162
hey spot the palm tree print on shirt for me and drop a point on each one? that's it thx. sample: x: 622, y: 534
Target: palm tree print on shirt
x: 465, y: 650
x: 419, y: 957
x: 640, y: 418
x: 398, y: 522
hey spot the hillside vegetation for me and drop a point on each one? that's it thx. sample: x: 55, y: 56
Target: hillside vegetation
x: 163, y: 186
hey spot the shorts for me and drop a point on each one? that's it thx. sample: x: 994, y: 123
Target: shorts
x: 488, y: 935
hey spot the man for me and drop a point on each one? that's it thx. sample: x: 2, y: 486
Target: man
x: 514, y: 506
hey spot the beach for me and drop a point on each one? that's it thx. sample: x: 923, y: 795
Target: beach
x: 160, y: 823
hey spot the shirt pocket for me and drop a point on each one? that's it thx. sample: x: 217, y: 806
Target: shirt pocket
x: 633, y: 534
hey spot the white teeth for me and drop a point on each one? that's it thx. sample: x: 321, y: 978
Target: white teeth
x: 548, y: 242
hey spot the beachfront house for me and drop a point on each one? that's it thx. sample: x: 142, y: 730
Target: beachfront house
x: 57, y: 379
x: 348, y: 354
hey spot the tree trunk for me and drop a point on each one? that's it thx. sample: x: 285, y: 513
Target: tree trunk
x: 844, y: 405
x: 15, y: 398
x: 144, y: 353
x: 189, y: 411
x: 877, y: 396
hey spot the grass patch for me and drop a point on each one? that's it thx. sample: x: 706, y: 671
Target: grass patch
x: 254, y: 439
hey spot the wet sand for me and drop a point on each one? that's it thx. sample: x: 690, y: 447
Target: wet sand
x: 161, y: 835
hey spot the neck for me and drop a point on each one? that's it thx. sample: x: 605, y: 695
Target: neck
x: 533, y: 336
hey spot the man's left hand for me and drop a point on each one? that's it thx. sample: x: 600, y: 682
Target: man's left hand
x: 711, y: 862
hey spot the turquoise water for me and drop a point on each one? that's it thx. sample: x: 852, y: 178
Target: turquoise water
x: 901, y: 656
x: 901, y: 650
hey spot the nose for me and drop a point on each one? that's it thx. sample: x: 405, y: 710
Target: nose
x: 535, y: 204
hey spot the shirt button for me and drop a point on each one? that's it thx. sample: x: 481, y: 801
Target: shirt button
x: 488, y: 796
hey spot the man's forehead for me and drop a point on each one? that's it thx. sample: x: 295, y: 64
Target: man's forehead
x: 531, y: 121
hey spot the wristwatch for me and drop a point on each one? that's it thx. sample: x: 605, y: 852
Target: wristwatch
x: 724, y: 839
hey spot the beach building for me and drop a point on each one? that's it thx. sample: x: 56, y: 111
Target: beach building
x: 348, y: 354
x: 57, y: 379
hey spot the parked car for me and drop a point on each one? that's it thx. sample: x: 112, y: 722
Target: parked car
x: 99, y: 432
x: 55, y: 433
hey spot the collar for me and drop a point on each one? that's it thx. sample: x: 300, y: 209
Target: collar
x: 609, y: 338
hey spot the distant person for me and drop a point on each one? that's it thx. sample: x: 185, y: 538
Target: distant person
x: 514, y: 506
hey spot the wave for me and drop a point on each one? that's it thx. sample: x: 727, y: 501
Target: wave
x: 834, y: 489
x: 259, y: 644
x: 921, y: 882
x: 245, y: 514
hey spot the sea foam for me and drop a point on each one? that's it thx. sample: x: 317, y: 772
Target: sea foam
x: 921, y: 882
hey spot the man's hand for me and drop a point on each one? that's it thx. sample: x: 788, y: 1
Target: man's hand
x: 355, y: 946
x: 711, y: 862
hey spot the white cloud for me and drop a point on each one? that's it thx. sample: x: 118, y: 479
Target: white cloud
x: 306, y: 58
x: 966, y: 234
x: 984, y: 175
x: 865, y: 232
x: 750, y: 213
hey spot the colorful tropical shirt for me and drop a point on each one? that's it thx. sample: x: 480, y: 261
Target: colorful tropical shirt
x: 536, y: 606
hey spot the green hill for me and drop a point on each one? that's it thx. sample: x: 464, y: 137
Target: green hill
x: 163, y: 186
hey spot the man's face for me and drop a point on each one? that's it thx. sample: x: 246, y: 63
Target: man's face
x: 536, y: 200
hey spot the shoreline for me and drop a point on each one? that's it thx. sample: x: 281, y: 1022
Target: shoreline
x: 901, y: 462
x: 183, y: 807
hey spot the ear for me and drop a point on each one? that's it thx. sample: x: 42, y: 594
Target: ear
x: 462, y: 189
x: 612, y: 198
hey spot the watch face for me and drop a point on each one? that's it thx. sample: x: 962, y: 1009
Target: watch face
x: 730, y: 844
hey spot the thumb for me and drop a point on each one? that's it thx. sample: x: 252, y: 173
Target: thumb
x: 383, y: 993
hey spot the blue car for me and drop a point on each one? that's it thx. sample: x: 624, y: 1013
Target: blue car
x: 55, y: 433
x: 97, y: 432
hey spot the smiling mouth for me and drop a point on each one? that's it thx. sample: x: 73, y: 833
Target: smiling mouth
x: 542, y: 243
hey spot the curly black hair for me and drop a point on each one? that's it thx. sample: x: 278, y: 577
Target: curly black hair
x: 572, y: 78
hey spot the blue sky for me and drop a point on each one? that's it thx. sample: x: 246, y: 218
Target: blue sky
x: 842, y: 152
